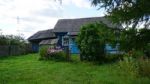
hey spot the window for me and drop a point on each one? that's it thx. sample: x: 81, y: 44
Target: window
x: 65, y: 41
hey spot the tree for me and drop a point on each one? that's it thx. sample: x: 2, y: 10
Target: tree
x: 88, y: 42
x: 136, y: 39
x: 91, y: 41
x: 11, y: 40
x: 129, y: 12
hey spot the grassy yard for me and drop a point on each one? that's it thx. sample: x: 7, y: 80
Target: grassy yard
x: 28, y: 69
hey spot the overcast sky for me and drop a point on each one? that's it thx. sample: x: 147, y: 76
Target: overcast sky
x: 35, y: 15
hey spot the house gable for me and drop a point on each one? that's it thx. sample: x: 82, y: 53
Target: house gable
x: 74, y: 25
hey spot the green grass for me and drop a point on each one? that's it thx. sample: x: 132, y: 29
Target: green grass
x: 28, y: 69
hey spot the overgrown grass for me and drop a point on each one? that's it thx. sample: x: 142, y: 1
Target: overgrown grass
x: 28, y: 69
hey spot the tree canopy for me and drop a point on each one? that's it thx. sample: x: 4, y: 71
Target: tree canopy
x: 134, y: 39
x: 91, y: 41
x: 129, y: 12
x: 11, y: 40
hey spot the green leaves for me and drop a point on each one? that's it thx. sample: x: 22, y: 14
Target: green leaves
x: 134, y: 39
x: 129, y: 12
x: 91, y: 41
x: 11, y: 40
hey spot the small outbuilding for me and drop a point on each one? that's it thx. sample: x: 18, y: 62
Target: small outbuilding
x: 52, y: 43
x: 40, y: 36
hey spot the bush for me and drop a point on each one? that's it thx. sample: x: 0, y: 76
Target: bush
x: 144, y: 67
x: 91, y: 43
x: 135, y: 67
x: 147, y: 50
x: 136, y: 54
x: 129, y: 66
x: 113, y: 57
x: 52, y: 54
x: 43, y: 52
x: 57, y: 56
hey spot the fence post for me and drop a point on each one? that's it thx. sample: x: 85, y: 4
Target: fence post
x: 9, y: 50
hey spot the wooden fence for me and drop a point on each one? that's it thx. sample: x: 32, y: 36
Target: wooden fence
x: 9, y: 50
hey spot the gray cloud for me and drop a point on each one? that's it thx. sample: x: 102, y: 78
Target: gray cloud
x: 49, y: 12
x: 28, y: 28
x: 31, y: 19
x: 6, y: 1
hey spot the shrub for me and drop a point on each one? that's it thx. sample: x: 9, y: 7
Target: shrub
x: 52, y: 54
x: 147, y: 50
x: 144, y: 67
x: 88, y: 41
x: 135, y: 66
x: 136, y: 54
x: 129, y: 66
x: 43, y: 52
x: 113, y: 57
x: 91, y: 41
x: 57, y: 56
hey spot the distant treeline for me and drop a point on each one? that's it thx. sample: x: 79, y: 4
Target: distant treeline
x: 13, y: 45
x: 11, y: 40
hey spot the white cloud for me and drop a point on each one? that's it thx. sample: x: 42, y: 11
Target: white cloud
x: 82, y: 3
x: 78, y: 3
x: 34, y: 15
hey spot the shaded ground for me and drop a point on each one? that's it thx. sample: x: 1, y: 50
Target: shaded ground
x: 28, y: 70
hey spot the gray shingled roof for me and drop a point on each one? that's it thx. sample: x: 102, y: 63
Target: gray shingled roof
x: 74, y: 25
x: 45, y: 34
x: 49, y: 42
x: 73, y: 33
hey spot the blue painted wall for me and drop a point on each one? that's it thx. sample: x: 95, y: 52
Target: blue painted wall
x: 73, y: 46
x: 59, y: 36
x: 35, y: 47
x: 108, y: 48
x: 111, y: 50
